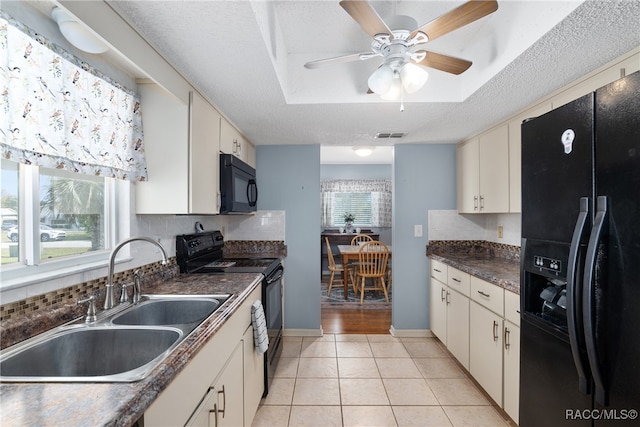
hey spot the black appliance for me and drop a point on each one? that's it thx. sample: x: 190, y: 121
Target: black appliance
x: 238, y: 187
x: 580, y: 261
x: 203, y: 253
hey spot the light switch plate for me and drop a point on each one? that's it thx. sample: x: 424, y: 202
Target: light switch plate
x: 417, y: 230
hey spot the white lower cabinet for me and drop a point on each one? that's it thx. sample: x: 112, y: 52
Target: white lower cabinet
x: 479, y: 323
x: 449, y: 314
x: 485, y: 349
x: 222, y: 384
x: 458, y: 327
x: 511, y: 401
x: 438, y: 312
x: 222, y: 405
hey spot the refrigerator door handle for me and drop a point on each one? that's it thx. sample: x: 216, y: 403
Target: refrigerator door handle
x: 588, y: 301
x: 574, y: 291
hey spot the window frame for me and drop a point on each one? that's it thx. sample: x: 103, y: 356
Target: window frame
x: 30, y: 271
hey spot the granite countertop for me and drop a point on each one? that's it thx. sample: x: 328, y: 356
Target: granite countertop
x: 122, y: 404
x: 495, y: 263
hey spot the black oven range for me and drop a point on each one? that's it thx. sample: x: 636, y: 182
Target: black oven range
x: 203, y: 253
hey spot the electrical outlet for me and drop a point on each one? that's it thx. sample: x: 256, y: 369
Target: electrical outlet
x: 417, y: 230
x: 500, y: 232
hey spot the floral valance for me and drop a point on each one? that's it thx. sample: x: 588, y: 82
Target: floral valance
x: 356, y: 185
x: 58, y: 112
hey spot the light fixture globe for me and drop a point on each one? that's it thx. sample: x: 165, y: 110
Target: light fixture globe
x: 77, y: 33
x: 395, y: 91
x: 380, y: 80
x: 363, y: 151
x: 413, y: 77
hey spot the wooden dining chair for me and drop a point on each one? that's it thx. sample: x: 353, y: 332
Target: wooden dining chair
x: 333, y: 267
x: 361, y: 238
x: 372, y: 264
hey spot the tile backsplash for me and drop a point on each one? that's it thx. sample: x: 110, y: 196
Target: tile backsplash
x: 449, y: 225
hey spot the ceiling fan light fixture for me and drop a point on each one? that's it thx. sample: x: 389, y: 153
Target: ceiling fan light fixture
x: 395, y: 91
x: 413, y: 77
x: 380, y: 80
x: 363, y: 151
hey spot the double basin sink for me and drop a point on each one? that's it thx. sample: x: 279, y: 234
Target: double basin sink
x: 124, y: 345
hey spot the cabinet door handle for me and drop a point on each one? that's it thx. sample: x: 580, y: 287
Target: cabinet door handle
x: 456, y: 280
x: 507, y: 344
x: 448, y: 300
x: 475, y: 203
x: 484, y: 294
x: 495, y: 330
x: 224, y: 401
x: 442, y: 295
x: 215, y: 414
x: 481, y: 202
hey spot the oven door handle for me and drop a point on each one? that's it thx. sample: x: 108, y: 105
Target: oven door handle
x: 276, y: 275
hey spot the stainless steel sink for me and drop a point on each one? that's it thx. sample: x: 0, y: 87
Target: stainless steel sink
x: 124, y: 345
x: 91, y: 354
x: 169, y: 310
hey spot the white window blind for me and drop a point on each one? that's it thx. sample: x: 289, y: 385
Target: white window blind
x: 368, y: 200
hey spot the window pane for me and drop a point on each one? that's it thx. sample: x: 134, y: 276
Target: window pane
x: 358, y: 204
x: 9, y: 209
x: 72, y: 219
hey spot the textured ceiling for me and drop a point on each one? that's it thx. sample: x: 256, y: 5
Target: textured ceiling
x: 247, y: 59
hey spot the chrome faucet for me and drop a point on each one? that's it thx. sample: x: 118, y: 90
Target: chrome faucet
x: 109, y: 297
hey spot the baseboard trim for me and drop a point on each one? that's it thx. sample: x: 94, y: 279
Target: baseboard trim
x: 411, y: 333
x: 302, y: 332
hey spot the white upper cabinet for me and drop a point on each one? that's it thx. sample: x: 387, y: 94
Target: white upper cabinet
x: 181, y: 146
x: 204, y: 170
x: 483, y: 173
x: 232, y: 142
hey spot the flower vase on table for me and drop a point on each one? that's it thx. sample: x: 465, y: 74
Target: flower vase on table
x: 348, y: 222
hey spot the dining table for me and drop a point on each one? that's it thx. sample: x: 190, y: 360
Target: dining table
x: 350, y: 253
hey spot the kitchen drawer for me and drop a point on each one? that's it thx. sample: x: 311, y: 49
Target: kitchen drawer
x: 459, y: 281
x: 487, y: 294
x: 439, y: 271
x: 512, y: 307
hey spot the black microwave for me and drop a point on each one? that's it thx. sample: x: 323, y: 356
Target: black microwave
x: 238, y: 188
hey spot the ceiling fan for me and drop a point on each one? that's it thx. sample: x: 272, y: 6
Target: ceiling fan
x: 400, y: 44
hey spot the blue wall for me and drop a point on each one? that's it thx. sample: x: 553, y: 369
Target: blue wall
x: 356, y: 171
x: 424, y: 179
x: 289, y: 179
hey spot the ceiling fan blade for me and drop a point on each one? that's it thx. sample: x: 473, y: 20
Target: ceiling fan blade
x: 457, y: 18
x: 445, y: 63
x: 366, y: 17
x: 339, y: 59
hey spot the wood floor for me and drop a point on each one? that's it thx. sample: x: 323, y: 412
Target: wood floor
x: 356, y: 321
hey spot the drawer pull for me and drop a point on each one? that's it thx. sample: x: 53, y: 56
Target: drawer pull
x: 507, y: 344
x: 455, y: 280
x: 437, y: 271
x: 224, y: 401
x: 484, y: 295
x: 495, y: 330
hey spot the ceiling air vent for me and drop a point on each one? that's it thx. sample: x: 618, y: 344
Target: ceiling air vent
x: 389, y: 135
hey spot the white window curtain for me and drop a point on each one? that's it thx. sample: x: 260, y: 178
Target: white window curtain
x: 59, y: 113
x: 380, y: 190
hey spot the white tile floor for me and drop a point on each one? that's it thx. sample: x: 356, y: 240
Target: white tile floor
x: 372, y: 380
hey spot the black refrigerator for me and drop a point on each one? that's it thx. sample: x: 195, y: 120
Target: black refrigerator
x: 580, y: 261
